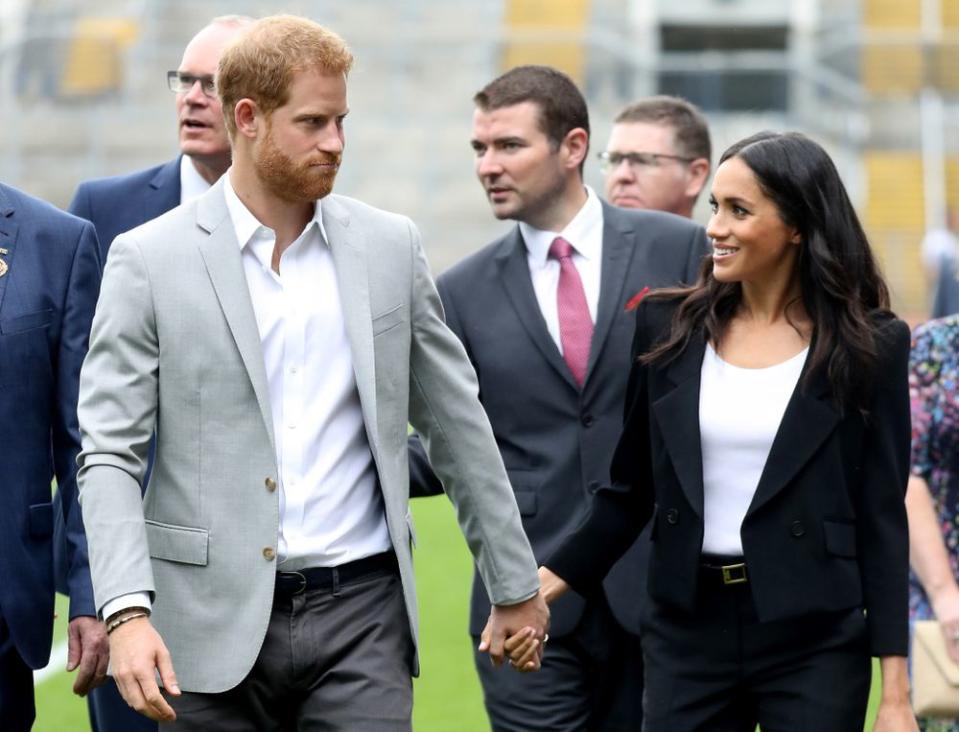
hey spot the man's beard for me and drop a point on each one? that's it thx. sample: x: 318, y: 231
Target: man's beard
x: 291, y: 181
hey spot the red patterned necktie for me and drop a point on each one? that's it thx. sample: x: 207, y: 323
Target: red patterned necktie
x: 575, y: 324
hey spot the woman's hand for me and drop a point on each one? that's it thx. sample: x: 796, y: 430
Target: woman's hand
x: 945, y: 605
x: 551, y: 585
x: 895, y: 712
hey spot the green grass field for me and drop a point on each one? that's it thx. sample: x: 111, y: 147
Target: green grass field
x: 447, y: 695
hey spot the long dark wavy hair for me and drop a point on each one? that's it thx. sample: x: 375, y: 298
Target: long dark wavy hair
x: 841, y: 287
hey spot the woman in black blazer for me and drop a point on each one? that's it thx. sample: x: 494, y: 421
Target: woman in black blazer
x: 766, y: 441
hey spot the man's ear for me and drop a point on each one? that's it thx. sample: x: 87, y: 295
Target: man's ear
x: 247, y: 117
x: 698, y: 175
x: 576, y: 145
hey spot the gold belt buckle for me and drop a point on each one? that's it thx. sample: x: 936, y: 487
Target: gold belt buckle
x: 734, y: 574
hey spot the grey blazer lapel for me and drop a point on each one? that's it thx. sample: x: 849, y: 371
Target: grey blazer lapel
x: 224, y: 263
x: 352, y: 278
x: 619, y: 243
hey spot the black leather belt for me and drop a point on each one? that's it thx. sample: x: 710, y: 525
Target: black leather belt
x: 329, y: 578
x: 724, y: 570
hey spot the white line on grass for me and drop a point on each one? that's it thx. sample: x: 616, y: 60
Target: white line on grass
x: 58, y: 662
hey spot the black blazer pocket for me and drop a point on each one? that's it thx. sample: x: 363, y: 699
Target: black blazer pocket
x: 40, y: 521
x: 28, y: 321
x: 184, y: 544
x: 388, y: 320
x: 840, y: 538
x: 525, y: 486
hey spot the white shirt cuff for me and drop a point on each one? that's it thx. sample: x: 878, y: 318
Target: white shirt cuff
x: 133, y: 599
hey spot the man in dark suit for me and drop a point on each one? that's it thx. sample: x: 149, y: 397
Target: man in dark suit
x: 121, y: 203
x: 118, y: 204
x: 543, y: 313
x: 49, y: 280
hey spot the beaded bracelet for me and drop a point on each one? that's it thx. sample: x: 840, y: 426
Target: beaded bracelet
x: 114, y: 624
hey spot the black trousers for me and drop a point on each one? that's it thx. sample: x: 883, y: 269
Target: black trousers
x: 720, y: 669
x: 591, y: 680
x: 17, y: 708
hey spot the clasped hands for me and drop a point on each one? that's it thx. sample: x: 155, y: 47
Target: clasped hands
x: 521, y: 631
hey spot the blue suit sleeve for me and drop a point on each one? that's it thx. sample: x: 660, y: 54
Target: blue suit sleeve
x: 77, y: 316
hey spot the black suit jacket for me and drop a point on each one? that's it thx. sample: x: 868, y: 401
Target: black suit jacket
x: 826, y: 529
x: 557, y: 440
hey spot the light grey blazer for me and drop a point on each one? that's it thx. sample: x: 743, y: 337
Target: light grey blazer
x: 175, y: 347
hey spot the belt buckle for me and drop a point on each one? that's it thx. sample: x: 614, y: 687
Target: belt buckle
x: 302, y: 577
x: 734, y: 574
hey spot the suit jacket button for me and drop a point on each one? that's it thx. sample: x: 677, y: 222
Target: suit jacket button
x: 268, y: 554
x: 587, y: 420
x: 593, y: 486
x: 797, y: 529
x: 672, y: 517
x: 270, y: 484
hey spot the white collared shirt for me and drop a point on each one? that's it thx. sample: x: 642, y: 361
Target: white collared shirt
x: 331, y: 509
x: 192, y: 184
x: 585, y: 233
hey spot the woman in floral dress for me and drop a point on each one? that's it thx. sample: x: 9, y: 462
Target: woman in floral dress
x: 932, y: 499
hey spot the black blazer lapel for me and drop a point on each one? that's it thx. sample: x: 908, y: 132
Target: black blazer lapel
x: 810, y: 418
x: 8, y: 238
x: 514, y: 274
x: 619, y: 243
x: 677, y: 413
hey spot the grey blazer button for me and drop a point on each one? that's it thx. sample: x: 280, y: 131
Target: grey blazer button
x: 672, y: 517
x: 797, y: 529
x: 268, y: 554
x: 270, y: 484
x: 587, y: 420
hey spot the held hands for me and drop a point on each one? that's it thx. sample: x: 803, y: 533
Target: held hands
x: 138, y: 653
x: 511, y: 626
x: 525, y: 649
x: 88, y: 652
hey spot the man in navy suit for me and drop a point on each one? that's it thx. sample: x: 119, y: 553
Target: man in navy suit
x: 49, y: 281
x: 545, y: 315
x: 121, y: 203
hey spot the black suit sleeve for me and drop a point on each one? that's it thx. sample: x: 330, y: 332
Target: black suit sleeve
x: 618, y: 512
x: 883, y: 539
x: 81, y: 298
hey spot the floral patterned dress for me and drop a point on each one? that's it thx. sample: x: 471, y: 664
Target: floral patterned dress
x: 934, y: 393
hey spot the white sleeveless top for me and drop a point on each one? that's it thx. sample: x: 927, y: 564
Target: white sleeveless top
x: 739, y: 414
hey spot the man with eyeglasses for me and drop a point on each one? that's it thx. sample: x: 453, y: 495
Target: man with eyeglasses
x: 117, y: 204
x: 545, y: 315
x: 657, y: 156
x: 121, y: 203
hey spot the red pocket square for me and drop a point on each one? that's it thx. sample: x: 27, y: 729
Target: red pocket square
x: 636, y: 299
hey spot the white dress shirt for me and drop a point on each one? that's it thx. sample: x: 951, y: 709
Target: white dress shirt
x: 585, y: 233
x: 192, y: 184
x: 331, y: 509
x: 740, y: 411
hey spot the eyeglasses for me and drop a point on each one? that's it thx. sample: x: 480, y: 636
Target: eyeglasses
x: 638, y: 161
x: 181, y: 83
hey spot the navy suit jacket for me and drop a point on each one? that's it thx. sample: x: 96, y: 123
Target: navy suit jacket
x: 47, y: 298
x: 556, y: 439
x: 123, y: 202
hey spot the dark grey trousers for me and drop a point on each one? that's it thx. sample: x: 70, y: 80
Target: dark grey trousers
x: 332, y: 661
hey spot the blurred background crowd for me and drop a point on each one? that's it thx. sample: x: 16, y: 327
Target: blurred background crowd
x: 875, y: 81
